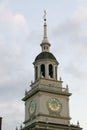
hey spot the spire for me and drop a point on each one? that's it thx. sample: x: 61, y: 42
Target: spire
x: 45, y: 26
x: 45, y: 43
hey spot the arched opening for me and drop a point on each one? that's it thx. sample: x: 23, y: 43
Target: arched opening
x: 43, y: 70
x: 36, y: 73
x: 51, y: 71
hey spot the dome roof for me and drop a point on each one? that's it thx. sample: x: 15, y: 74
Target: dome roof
x: 45, y: 55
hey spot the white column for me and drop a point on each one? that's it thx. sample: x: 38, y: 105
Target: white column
x: 46, y: 70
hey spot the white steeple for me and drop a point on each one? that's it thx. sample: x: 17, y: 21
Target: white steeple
x: 45, y: 43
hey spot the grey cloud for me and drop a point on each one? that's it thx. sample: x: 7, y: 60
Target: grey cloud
x: 12, y: 109
x: 69, y: 30
x: 73, y: 30
x: 75, y: 71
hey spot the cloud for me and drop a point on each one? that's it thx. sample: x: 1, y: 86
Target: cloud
x: 73, y: 70
x: 81, y: 12
x: 72, y: 38
x: 12, y: 109
x: 73, y: 31
x: 75, y: 28
x: 15, y: 20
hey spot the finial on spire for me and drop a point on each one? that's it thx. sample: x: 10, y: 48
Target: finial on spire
x: 45, y: 25
x: 45, y: 43
x: 45, y: 15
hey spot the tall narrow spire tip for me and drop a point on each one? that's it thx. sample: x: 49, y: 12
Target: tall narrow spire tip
x: 45, y: 13
x: 45, y: 43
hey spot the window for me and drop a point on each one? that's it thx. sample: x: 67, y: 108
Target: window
x: 51, y: 71
x: 43, y: 70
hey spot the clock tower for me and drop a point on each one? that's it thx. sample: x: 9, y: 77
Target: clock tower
x: 47, y: 102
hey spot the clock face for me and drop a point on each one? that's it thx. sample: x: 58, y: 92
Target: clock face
x: 54, y: 105
x: 32, y: 107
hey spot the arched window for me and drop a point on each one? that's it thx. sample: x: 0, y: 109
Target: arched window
x: 36, y: 73
x: 43, y: 70
x: 51, y: 71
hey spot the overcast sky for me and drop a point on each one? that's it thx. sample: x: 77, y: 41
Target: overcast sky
x: 21, y: 33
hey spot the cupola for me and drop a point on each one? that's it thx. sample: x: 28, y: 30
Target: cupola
x: 45, y: 64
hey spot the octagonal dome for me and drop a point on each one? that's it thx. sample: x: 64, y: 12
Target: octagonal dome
x: 45, y: 55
